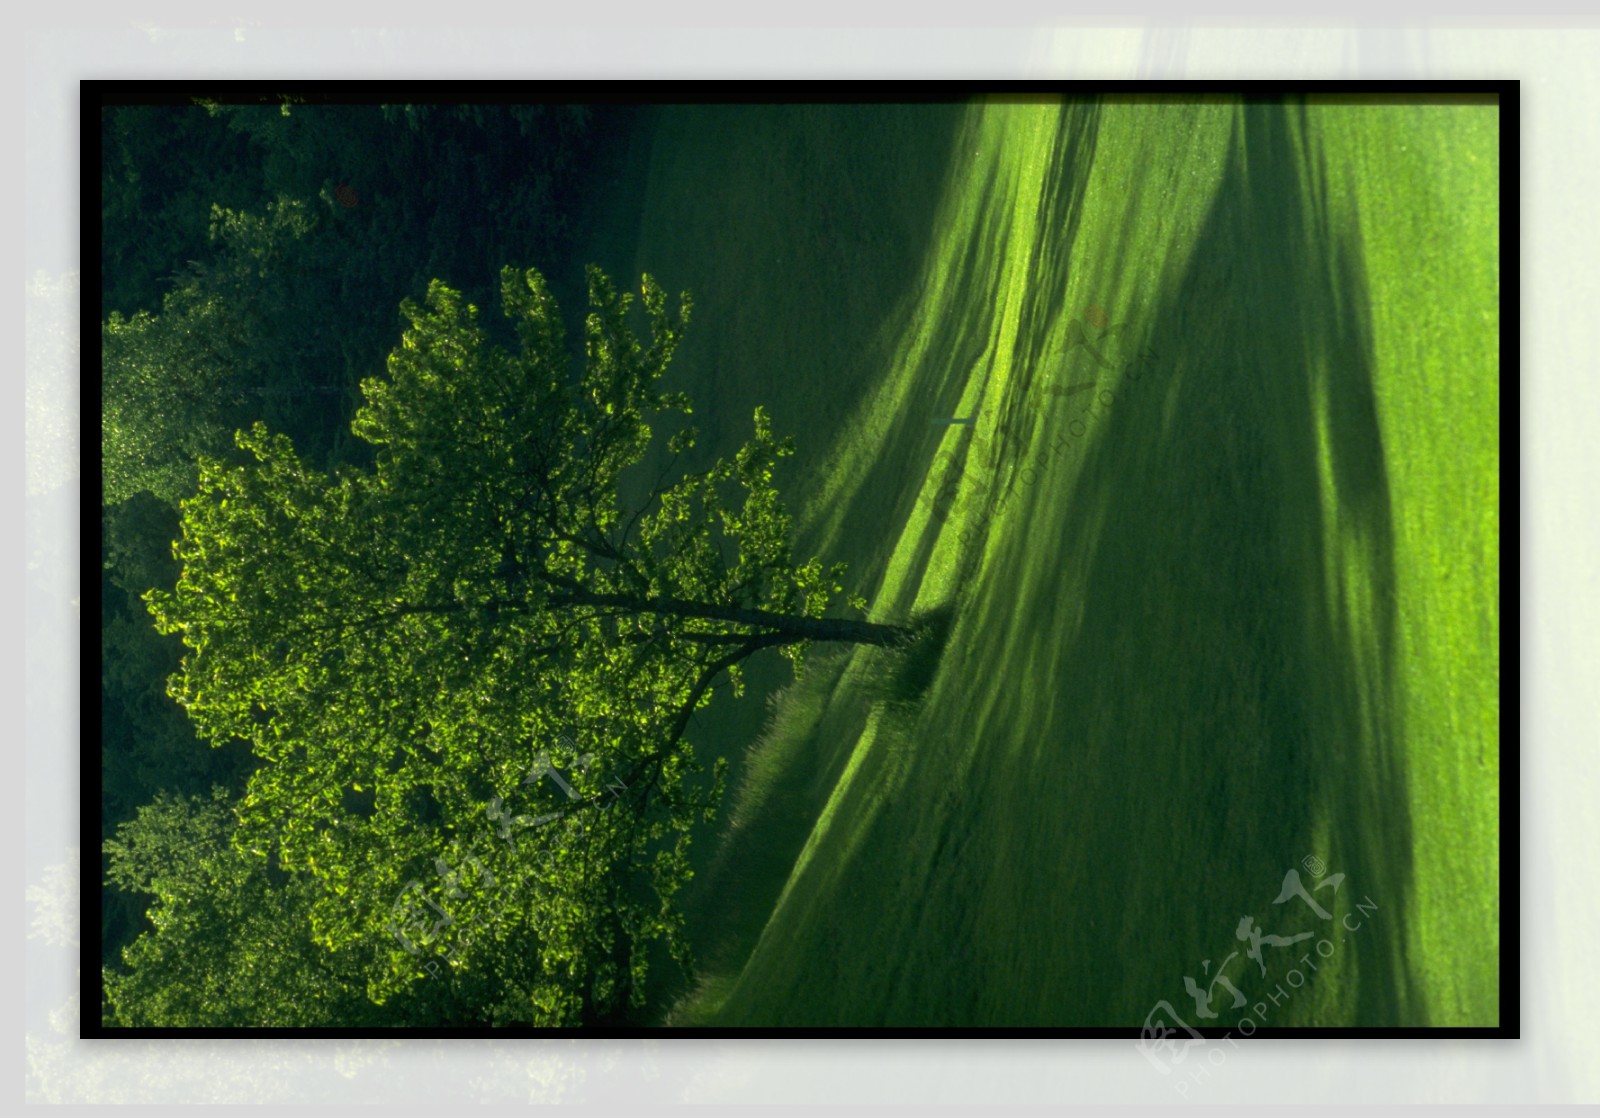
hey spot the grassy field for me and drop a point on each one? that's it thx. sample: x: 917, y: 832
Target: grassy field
x: 1216, y: 563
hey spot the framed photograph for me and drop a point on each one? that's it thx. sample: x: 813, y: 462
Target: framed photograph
x: 983, y: 561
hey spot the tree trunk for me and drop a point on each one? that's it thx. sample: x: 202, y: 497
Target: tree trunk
x: 777, y: 629
x: 788, y: 625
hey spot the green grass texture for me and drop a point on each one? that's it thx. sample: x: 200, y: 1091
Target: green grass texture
x: 1210, y: 580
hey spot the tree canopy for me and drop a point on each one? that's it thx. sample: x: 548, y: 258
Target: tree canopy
x: 227, y: 948
x: 469, y: 671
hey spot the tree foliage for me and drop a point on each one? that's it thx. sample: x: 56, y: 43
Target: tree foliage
x: 468, y: 671
x: 227, y: 947
x: 177, y: 384
x: 162, y: 169
x: 247, y: 286
x: 167, y: 389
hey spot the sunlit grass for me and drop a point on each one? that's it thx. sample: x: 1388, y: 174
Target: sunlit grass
x: 1245, y: 615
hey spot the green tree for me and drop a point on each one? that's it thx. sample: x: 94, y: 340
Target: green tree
x: 228, y: 343
x: 163, y: 168
x: 469, y: 672
x: 167, y: 391
x: 228, y: 938
x: 227, y: 947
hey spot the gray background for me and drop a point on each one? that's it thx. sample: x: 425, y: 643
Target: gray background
x: 1553, y: 1065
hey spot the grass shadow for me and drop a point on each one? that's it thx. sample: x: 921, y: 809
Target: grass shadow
x: 1232, y: 691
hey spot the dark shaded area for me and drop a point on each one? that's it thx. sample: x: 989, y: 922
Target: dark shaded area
x: 822, y: 269
x: 397, y: 196
x: 793, y: 300
x: 908, y: 675
x: 162, y: 167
